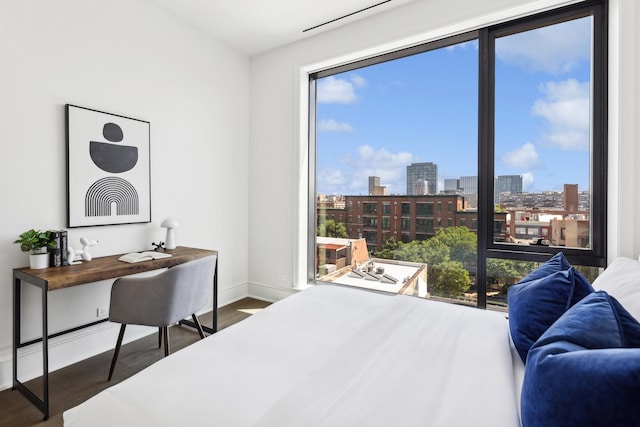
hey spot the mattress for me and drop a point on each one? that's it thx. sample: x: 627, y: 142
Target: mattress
x: 328, y: 356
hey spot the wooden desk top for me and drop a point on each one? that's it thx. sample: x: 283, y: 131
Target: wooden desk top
x: 104, y: 268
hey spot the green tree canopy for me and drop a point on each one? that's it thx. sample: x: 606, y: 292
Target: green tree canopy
x: 448, y: 279
x: 462, y: 244
x: 330, y: 228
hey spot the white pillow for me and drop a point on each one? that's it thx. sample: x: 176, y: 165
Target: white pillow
x: 622, y: 280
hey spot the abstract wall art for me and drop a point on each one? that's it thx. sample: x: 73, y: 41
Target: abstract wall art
x: 108, y: 170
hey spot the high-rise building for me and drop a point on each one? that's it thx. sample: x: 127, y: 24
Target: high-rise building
x: 469, y: 184
x: 451, y: 185
x: 571, y: 198
x: 509, y: 184
x: 375, y: 189
x: 422, y: 179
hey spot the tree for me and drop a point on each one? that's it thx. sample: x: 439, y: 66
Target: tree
x: 389, y: 250
x: 448, y: 279
x: 330, y: 228
x: 462, y: 245
x: 436, y: 252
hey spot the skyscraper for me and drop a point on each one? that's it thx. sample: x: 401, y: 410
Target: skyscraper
x: 451, y: 185
x: 571, y: 201
x: 375, y: 189
x: 469, y: 184
x: 511, y: 184
x: 422, y: 178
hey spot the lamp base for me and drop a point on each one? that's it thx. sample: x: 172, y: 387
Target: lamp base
x: 170, y: 241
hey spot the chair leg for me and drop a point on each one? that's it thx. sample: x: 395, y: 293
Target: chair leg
x: 160, y: 337
x: 116, y: 351
x: 198, y: 325
x: 165, y: 330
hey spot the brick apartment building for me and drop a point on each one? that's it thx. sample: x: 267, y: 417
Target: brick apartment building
x: 405, y: 218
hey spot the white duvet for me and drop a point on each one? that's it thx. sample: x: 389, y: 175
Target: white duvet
x: 328, y: 356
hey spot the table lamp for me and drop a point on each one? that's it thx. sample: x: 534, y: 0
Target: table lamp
x: 170, y: 224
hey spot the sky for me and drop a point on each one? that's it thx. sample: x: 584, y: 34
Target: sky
x: 377, y: 120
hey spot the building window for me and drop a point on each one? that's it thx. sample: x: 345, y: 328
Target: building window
x: 386, y: 222
x: 369, y: 221
x: 424, y: 225
x: 508, y: 112
x: 424, y: 209
x: 370, y: 208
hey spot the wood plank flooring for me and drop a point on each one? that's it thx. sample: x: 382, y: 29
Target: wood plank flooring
x: 72, y: 385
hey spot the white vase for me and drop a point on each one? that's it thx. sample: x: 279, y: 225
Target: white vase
x: 37, y: 261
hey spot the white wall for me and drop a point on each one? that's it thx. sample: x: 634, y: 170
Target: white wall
x: 278, y: 145
x: 128, y: 57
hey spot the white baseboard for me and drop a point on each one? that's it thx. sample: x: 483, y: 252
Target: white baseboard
x: 269, y: 293
x: 79, y: 345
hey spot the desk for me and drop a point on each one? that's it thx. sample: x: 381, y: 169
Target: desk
x: 103, y: 268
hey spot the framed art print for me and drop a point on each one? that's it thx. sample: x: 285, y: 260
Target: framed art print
x: 108, y: 170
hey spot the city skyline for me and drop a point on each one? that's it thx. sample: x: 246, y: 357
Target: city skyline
x: 377, y: 120
x: 466, y: 184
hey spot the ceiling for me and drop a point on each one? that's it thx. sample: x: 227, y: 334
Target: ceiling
x: 256, y: 26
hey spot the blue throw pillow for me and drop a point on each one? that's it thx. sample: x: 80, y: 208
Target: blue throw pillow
x: 556, y: 263
x: 535, y: 304
x: 585, y: 369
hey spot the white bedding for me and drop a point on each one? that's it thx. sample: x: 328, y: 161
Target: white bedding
x: 328, y: 356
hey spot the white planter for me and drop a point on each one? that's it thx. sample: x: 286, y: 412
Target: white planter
x: 37, y: 261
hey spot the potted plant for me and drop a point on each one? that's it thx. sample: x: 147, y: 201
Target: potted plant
x: 37, y: 242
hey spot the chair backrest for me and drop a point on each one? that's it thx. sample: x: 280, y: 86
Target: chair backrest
x: 188, y: 287
x: 165, y: 298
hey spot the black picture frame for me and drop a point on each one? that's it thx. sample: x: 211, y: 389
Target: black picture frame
x: 108, y: 168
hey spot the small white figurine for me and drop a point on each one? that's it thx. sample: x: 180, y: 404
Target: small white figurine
x: 84, y: 252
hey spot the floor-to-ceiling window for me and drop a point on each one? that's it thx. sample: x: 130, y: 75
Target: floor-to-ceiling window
x: 452, y: 168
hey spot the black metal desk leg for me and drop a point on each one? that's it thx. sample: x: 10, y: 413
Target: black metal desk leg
x: 214, y: 326
x: 16, y: 328
x: 45, y: 352
x: 215, y: 297
x: 42, y: 404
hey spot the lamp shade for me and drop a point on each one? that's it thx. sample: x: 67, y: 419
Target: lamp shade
x: 170, y: 223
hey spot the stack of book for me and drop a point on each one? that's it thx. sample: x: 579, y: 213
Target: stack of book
x: 59, y: 255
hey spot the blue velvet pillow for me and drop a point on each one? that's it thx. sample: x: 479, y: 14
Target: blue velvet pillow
x: 535, y: 304
x: 585, y: 369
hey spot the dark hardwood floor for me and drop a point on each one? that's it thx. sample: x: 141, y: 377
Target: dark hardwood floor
x: 76, y: 383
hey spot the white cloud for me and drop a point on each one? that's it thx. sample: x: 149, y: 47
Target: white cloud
x: 358, y: 81
x: 353, y: 175
x: 334, y: 90
x: 527, y: 181
x: 525, y: 157
x: 555, y: 49
x: 464, y: 45
x: 331, y: 178
x: 330, y: 125
x: 565, y: 108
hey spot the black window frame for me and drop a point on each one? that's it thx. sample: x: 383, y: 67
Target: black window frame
x: 594, y: 256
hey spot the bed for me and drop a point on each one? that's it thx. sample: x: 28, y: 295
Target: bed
x: 332, y: 356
